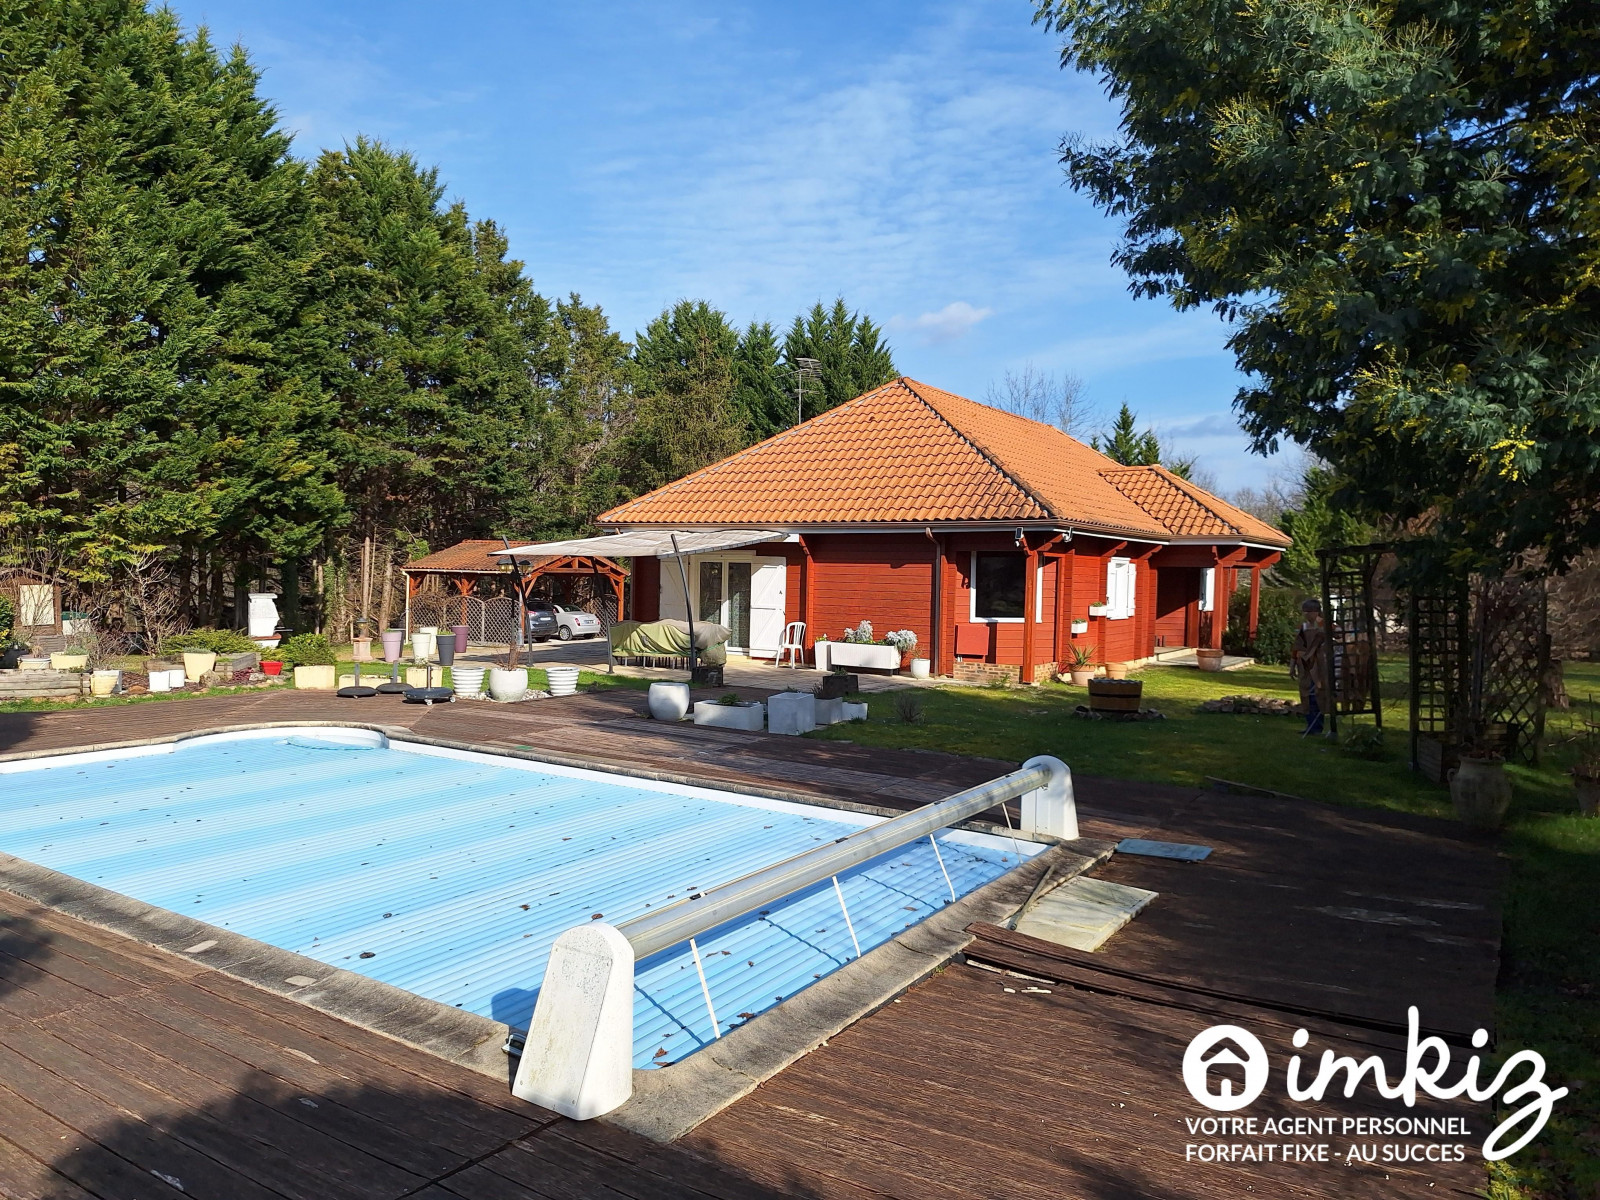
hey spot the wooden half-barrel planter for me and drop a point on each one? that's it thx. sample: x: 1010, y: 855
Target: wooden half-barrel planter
x: 1115, y: 695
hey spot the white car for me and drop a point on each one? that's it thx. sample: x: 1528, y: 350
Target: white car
x: 574, y: 622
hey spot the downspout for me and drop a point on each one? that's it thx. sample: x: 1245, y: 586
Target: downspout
x: 938, y: 592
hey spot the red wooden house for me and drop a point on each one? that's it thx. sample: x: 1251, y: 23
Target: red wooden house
x: 986, y: 534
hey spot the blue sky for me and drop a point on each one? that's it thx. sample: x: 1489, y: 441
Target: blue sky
x: 765, y: 156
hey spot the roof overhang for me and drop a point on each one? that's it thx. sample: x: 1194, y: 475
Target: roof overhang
x: 648, y: 543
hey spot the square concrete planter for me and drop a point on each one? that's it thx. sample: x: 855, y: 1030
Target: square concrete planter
x: 854, y: 712
x: 746, y: 716
x: 855, y: 654
x: 830, y: 711
x: 791, y: 712
x: 315, y: 679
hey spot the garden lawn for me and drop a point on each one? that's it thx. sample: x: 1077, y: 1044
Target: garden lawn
x: 1549, y: 988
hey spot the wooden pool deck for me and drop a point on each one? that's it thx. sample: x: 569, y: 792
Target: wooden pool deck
x: 123, y: 1069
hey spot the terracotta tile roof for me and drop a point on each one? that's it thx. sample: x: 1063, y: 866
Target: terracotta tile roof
x: 472, y: 556
x: 907, y: 453
x: 1188, y: 510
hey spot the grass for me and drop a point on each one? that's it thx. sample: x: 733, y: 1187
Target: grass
x: 1548, y: 997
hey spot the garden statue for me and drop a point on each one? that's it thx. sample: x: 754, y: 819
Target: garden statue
x: 1308, y: 663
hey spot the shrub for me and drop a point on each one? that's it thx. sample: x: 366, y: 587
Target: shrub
x: 1279, y: 619
x: 8, y: 616
x: 908, y: 707
x: 217, y: 641
x: 1365, y: 741
x: 306, y: 650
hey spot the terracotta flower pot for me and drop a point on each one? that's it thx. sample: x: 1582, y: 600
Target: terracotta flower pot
x: 1116, y: 670
x: 1209, y: 660
x: 1081, y: 676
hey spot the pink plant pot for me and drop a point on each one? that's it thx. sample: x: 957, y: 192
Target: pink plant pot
x: 461, y: 638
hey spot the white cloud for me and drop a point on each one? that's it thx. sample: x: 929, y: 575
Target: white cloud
x: 953, y: 321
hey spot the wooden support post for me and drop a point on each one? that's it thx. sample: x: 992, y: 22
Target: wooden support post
x: 1030, y: 605
x: 808, y: 588
x: 1255, y: 601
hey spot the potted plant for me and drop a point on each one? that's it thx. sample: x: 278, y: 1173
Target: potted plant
x: 861, y: 648
x: 508, y: 683
x: 1116, y: 670
x: 1079, y: 626
x: 73, y: 658
x: 1480, y: 791
x: 1208, y: 658
x: 313, y: 661
x: 838, y: 682
x: 1102, y: 609
x: 272, y: 666
x: 1080, y: 657
x: 730, y: 712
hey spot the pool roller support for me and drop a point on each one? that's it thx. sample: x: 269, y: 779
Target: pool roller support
x: 578, y: 1056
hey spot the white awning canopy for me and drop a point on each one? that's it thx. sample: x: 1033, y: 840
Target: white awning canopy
x: 647, y: 543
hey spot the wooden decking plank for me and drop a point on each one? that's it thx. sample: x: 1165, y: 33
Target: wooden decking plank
x: 23, y: 1177
x: 101, y: 949
x: 638, y: 1180
x: 292, y: 1157
x: 137, y: 1120
x: 478, y: 1182
x: 351, y: 1050
x: 398, y: 1110
x: 75, y: 1155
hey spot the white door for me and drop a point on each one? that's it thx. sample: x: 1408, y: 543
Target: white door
x: 767, y: 595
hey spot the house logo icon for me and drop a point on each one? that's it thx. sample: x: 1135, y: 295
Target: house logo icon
x: 1246, y: 1052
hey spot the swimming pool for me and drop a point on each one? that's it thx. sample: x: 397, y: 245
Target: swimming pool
x: 449, y: 873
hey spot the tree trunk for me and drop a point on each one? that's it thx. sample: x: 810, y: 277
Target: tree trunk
x: 290, y: 570
x: 388, y: 588
x: 241, y: 594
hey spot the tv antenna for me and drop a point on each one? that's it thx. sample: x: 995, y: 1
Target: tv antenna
x: 803, y: 368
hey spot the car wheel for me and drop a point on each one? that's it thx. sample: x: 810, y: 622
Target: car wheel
x: 565, y: 635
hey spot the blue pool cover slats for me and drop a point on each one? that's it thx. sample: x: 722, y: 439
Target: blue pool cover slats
x: 451, y: 878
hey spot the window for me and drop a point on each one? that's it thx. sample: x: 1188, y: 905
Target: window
x: 1121, y: 580
x: 997, y: 586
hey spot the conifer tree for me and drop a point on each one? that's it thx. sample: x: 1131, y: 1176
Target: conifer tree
x: 851, y: 349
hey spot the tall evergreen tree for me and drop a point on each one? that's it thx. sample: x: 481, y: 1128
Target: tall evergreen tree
x: 851, y: 349
x: 437, y: 345
x: 153, y: 235
x: 763, y: 388
x: 1124, y: 443
x: 686, y: 416
x: 588, y: 412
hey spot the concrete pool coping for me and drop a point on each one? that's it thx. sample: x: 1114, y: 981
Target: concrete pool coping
x: 667, y: 1102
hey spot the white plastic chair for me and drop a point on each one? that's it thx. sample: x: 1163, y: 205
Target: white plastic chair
x: 794, y: 643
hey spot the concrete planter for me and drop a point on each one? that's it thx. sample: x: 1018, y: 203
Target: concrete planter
x: 1480, y: 792
x: 105, y: 683
x: 508, y: 684
x: 921, y: 668
x: 361, y: 649
x: 854, y: 712
x: 232, y: 664
x: 746, y: 716
x: 161, y: 681
x: 1081, y: 678
x: 792, y: 712
x: 262, y: 618
x: 829, y: 711
x: 468, y: 681
x: 315, y: 678
x: 41, y: 663
x: 854, y: 654
x: 1079, y: 627
x: 63, y: 661
x: 424, y: 642
x: 669, y: 701
x: 392, y: 640
x: 197, y: 662
x: 563, y: 680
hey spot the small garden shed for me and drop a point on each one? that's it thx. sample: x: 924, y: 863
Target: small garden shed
x: 35, y: 601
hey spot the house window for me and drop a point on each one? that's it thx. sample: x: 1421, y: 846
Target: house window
x: 1121, y: 578
x: 998, y: 586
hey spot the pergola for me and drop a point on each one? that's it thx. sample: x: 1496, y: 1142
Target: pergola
x: 466, y: 565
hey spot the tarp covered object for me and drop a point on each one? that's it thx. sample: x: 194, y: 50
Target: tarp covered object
x: 670, y: 639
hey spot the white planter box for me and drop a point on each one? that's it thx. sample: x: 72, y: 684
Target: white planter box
x: 791, y: 712
x: 854, y: 712
x: 729, y: 716
x: 853, y: 654
x: 316, y: 679
x: 669, y: 701
x: 829, y: 712
x: 1080, y: 627
x: 1099, y: 610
